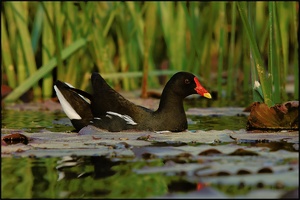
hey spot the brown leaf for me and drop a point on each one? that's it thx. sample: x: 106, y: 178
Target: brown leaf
x: 243, y: 172
x: 210, y: 152
x: 96, y: 138
x: 281, y: 116
x: 144, y: 137
x: 147, y: 156
x: 265, y: 170
x: 248, y: 108
x: 290, y: 114
x: 243, y: 152
x: 15, y: 138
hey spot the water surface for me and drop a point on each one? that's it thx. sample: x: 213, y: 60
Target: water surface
x: 120, y: 177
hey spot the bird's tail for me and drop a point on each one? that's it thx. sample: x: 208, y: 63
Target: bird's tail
x: 75, y: 103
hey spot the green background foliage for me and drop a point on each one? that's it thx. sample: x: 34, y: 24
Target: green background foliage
x: 230, y: 45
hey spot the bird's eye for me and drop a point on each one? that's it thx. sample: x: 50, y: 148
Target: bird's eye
x: 187, y: 81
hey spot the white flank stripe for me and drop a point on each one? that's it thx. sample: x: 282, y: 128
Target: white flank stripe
x: 70, y: 112
x: 127, y: 118
x: 110, y: 117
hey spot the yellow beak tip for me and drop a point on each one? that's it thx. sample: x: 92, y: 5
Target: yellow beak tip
x: 207, y: 95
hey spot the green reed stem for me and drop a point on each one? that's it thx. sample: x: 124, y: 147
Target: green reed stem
x: 221, y: 48
x: 37, y: 27
x: 48, y: 48
x: 120, y: 75
x: 27, y: 51
x: 6, y: 55
x: 256, y: 91
x: 265, y: 81
x: 294, y: 38
x: 58, y: 19
x: 282, y: 30
x: 187, y: 36
x: 231, y: 77
x: 41, y: 72
x: 275, y: 53
x: 149, y: 32
x: 271, y: 65
x: 245, y: 63
x: 20, y: 62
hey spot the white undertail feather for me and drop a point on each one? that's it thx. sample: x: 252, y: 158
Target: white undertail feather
x: 68, y: 109
x: 127, y: 118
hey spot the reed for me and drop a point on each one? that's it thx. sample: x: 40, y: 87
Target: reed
x: 221, y: 48
x: 273, y: 77
x: 7, y: 57
x: 44, y: 70
x: 49, y: 47
x: 231, y: 54
x: 230, y: 45
x: 294, y: 7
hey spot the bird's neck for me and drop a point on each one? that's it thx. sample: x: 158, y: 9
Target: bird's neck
x: 170, y: 102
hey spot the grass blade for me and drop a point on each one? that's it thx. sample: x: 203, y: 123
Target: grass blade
x: 6, y: 55
x: 48, y: 49
x: 34, y: 78
x: 264, y: 79
x: 25, y: 39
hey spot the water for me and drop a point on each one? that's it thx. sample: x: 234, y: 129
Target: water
x: 34, y: 121
x: 217, y: 122
x: 81, y: 177
x: 100, y: 177
x: 118, y: 177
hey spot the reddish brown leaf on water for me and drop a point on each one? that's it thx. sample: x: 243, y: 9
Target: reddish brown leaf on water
x: 261, y: 116
x: 96, y: 138
x: 243, y: 152
x: 265, y: 170
x: 248, y: 108
x: 147, y: 156
x: 281, y: 116
x: 15, y: 138
x: 243, y: 172
x: 210, y: 152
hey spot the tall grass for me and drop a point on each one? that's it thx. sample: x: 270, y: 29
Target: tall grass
x: 132, y: 43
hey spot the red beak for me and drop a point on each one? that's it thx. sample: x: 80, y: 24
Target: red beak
x: 201, y: 90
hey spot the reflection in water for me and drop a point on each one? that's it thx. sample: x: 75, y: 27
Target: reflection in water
x: 102, y: 177
x: 27, y: 178
x: 101, y: 167
x: 75, y: 177
x: 207, y: 123
x: 35, y: 121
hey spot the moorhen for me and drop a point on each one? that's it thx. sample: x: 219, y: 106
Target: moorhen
x: 107, y: 109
